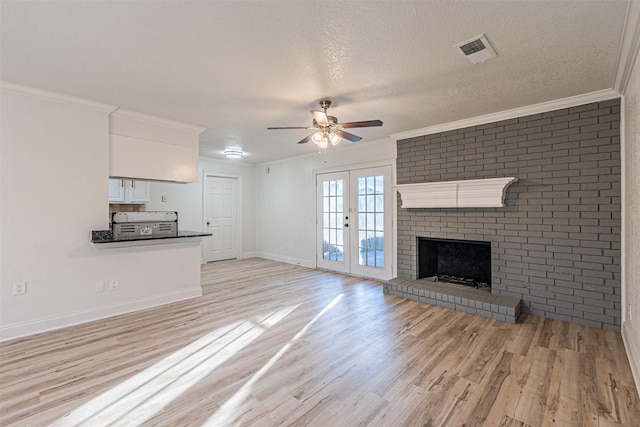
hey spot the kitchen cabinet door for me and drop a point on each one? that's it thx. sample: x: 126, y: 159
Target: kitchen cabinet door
x: 116, y: 191
x: 139, y: 192
x: 129, y: 191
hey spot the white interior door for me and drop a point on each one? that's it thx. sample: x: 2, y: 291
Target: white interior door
x: 354, y: 222
x: 220, y: 218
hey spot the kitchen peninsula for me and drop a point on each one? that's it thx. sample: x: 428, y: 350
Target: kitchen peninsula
x: 105, y: 239
x: 142, y: 229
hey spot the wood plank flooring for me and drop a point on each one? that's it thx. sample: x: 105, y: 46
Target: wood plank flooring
x: 274, y: 344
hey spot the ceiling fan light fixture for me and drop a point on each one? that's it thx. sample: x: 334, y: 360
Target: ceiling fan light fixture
x: 233, y: 152
x: 329, y: 129
x: 323, y: 142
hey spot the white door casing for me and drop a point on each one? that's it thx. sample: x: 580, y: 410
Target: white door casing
x: 221, y: 217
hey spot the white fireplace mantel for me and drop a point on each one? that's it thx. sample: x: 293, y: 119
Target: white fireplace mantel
x: 472, y: 193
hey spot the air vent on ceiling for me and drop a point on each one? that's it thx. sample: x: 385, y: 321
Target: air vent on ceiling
x: 477, y: 49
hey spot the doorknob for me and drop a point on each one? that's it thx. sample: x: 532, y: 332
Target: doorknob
x: 346, y: 225
x: 208, y: 223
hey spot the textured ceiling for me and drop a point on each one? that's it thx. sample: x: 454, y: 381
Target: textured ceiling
x: 239, y: 67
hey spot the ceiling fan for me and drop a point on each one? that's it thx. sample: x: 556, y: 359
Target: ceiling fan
x: 328, y: 128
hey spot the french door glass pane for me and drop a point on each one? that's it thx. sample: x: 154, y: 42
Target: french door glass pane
x: 371, y: 221
x: 332, y: 213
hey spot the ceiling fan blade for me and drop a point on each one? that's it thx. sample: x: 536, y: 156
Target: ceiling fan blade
x: 320, y: 117
x: 306, y: 139
x: 346, y: 135
x: 364, y: 124
x: 290, y: 127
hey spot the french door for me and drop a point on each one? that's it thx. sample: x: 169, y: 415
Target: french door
x: 354, y: 222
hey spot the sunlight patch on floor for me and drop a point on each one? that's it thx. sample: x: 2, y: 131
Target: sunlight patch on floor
x: 145, y: 394
x: 228, y: 410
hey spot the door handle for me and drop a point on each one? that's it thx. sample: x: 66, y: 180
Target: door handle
x: 346, y: 226
x: 208, y: 223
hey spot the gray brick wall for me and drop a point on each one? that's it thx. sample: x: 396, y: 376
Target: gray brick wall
x: 556, y: 243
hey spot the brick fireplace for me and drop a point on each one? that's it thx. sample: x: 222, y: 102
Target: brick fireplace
x: 463, y: 262
x: 556, y: 242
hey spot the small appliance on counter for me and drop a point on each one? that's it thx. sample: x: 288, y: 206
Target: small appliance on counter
x: 144, y: 224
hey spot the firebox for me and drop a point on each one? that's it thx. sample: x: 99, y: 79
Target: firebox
x: 466, y: 262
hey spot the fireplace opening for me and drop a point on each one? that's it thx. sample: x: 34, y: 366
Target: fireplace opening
x: 465, y: 262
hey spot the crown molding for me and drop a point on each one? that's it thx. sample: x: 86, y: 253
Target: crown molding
x: 629, y: 47
x: 543, y: 107
x: 47, y: 95
x: 121, y: 112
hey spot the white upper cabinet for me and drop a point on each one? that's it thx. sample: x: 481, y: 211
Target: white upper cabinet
x: 150, y: 148
x: 116, y: 191
x: 129, y: 191
x: 139, y: 191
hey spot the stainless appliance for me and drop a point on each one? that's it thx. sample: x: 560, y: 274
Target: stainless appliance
x: 144, y: 224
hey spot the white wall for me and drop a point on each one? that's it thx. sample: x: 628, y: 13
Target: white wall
x: 631, y: 255
x: 54, y: 182
x: 187, y: 199
x: 286, y: 198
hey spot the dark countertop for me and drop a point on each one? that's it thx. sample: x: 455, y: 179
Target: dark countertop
x: 106, y: 236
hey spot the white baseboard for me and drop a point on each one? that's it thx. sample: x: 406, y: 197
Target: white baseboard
x: 632, y: 346
x: 288, y: 260
x: 19, y: 330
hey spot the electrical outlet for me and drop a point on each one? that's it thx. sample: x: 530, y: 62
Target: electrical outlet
x: 19, y: 288
x: 164, y: 198
x: 99, y: 286
x: 114, y: 284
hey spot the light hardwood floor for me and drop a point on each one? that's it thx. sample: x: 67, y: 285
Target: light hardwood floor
x: 275, y: 344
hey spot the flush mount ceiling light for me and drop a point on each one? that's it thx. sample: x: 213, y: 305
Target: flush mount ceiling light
x: 233, y: 152
x: 477, y: 49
